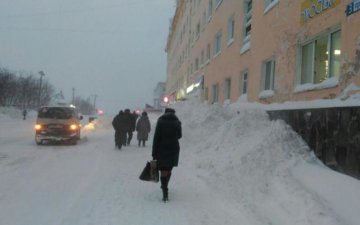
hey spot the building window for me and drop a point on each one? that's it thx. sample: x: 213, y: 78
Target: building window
x: 196, y: 64
x: 269, y: 4
x: 243, y: 83
x: 210, y: 9
x: 206, y: 94
x: 208, y: 52
x: 247, y: 20
x: 227, y: 88
x: 202, y: 58
x: 215, y: 93
x: 320, y: 59
x: 203, y: 21
x: 269, y: 75
x: 231, y: 29
x: 198, y: 28
x: 217, y: 43
x: 217, y: 3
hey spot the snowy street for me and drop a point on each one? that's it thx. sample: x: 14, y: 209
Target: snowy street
x: 235, y: 168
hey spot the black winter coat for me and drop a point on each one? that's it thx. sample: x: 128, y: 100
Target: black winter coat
x: 166, y: 146
x: 119, y: 122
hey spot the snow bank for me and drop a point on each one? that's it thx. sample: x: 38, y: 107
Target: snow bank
x: 248, y: 158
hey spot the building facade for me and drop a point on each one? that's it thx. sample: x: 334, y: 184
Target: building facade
x: 264, y: 50
x: 159, y: 93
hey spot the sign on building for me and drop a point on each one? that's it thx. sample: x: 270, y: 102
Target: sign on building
x: 313, y: 8
x: 353, y: 7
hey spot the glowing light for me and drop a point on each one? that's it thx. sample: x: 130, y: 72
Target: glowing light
x: 73, y: 127
x: 165, y: 99
x: 190, y: 89
x: 38, y: 127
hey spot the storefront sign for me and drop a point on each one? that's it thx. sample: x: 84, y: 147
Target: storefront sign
x: 353, y: 7
x: 313, y: 8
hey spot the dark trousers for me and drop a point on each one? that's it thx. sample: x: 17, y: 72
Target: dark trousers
x: 129, y: 135
x: 120, y: 138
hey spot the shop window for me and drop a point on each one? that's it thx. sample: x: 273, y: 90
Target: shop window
x: 320, y: 59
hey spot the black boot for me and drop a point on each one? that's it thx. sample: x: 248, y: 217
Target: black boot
x: 164, y: 184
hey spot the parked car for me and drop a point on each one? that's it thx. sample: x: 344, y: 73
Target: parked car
x: 57, y: 124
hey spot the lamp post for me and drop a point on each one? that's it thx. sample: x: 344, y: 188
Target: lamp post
x: 39, y: 97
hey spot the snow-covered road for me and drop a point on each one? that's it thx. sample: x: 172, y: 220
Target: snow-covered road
x: 92, y: 183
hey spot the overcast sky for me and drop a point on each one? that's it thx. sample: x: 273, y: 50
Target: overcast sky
x: 111, y: 48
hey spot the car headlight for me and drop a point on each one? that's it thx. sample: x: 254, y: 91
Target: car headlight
x: 74, y: 127
x: 38, y: 126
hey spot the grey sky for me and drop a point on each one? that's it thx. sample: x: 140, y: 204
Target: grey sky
x: 112, y: 48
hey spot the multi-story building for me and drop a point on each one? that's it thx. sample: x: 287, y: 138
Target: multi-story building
x: 264, y: 50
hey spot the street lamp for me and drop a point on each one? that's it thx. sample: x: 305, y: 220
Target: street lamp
x: 39, y: 97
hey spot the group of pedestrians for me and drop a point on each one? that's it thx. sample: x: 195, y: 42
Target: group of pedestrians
x: 165, y: 148
x: 125, y: 124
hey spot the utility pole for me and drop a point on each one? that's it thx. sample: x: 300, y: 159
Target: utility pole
x: 41, y: 77
x: 73, y: 96
x: 95, y: 96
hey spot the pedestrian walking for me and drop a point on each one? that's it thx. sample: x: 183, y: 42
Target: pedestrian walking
x: 130, y: 123
x: 24, y: 113
x: 166, y: 147
x: 119, y: 124
x: 143, y: 128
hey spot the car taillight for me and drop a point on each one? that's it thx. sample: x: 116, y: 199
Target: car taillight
x: 74, y: 127
x: 38, y: 127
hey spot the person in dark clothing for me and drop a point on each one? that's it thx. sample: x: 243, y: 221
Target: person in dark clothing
x: 24, y: 114
x: 143, y: 128
x: 130, y: 123
x: 119, y: 127
x: 166, y: 147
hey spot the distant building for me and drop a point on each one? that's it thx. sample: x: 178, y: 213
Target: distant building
x: 264, y: 51
x: 159, y: 93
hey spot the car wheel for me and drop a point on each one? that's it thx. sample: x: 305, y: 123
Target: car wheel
x: 39, y: 142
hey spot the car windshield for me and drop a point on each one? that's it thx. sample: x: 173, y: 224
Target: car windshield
x: 55, y: 113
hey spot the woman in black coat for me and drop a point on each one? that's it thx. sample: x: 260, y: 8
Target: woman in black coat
x: 166, y: 146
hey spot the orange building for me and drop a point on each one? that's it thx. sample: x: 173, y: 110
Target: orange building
x: 263, y: 50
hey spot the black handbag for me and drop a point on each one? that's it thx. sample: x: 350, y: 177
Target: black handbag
x: 150, y: 172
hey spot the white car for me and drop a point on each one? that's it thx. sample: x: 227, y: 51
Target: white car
x: 57, y: 124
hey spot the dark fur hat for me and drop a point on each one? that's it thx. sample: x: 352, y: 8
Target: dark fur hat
x: 169, y: 110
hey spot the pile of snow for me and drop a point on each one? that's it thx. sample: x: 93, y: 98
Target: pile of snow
x: 260, y: 164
